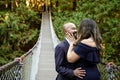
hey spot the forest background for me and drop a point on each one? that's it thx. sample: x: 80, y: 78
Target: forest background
x: 20, y: 24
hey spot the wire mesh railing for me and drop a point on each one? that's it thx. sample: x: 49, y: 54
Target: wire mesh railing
x: 19, y: 69
x: 26, y: 66
x: 109, y: 72
x: 22, y: 67
x: 11, y: 71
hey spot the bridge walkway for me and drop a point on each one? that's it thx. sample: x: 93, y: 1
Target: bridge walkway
x: 46, y: 68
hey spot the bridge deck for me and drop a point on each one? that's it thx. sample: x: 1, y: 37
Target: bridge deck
x: 46, y: 68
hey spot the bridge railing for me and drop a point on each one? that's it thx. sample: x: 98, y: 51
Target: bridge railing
x: 109, y: 72
x: 19, y: 69
x: 10, y: 71
x: 24, y: 67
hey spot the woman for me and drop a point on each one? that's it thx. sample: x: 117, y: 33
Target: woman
x: 86, y: 51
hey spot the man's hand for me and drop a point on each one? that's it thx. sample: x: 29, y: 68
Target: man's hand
x: 79, y: 72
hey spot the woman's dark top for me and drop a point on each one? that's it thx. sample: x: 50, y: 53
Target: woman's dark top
x: 88, y: 60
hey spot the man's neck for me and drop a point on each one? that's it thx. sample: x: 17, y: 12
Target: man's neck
x: 68, y: 40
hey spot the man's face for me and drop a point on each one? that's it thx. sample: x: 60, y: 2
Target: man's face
x: 72, y: 29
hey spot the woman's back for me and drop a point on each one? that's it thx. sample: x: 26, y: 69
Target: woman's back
x: 88, y: 61
x: 87, y: 51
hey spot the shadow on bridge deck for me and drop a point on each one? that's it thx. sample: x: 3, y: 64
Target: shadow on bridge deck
x: 46, y: 67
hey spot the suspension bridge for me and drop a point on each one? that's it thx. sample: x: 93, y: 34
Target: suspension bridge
x: 38, y: 62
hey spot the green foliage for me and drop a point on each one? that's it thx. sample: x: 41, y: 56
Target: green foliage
x: 63, y: 17
x: 18, y: 31
x: 60, y: 5
x: 28, y: 15
x: 106, y: 13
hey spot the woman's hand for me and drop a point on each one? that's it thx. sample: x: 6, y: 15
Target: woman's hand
x: 71, y: 38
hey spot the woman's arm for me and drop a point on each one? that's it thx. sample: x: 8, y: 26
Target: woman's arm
x: 72, y: 57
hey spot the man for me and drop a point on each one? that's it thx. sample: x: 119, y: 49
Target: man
x: 65, y: 69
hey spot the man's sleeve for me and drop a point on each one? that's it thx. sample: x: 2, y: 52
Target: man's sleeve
x: 60, y: 63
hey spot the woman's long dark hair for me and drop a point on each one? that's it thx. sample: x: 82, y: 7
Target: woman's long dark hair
x: 89, y: 28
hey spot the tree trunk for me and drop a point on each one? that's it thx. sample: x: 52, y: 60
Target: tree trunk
x: 74, y: 4
x: 2, y: 5
x: 56, y: 3
x: 13, y: 6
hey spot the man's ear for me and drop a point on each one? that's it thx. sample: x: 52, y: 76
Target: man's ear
x: 65, y: 31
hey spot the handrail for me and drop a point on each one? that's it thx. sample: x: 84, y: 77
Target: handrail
x: 8, y: 66
x: 112, y: 65
x: 109, y: 71
x: 12, y: 63
x: 17, y: 65
x: 54, y: 36
x: 30, y: 50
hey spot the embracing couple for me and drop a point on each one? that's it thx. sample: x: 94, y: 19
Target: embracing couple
x: 77, y: 56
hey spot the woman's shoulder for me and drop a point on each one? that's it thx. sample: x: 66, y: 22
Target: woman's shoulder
x: 89, y: 47
x: 88, y: 42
